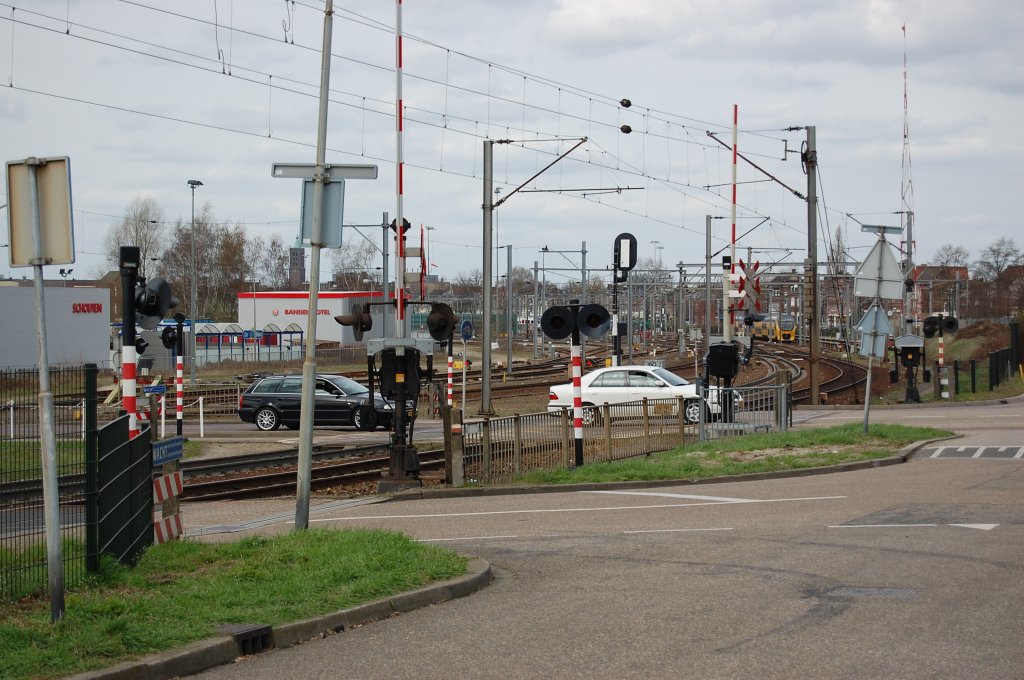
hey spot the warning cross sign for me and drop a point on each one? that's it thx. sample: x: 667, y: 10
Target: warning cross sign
x: 749, y: 286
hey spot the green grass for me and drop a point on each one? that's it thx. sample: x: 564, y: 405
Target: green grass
x: 21, y: 459
x: 183, y: 591
x: 739, y: 455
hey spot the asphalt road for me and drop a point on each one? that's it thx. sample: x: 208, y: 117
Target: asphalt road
x: 909, y: 571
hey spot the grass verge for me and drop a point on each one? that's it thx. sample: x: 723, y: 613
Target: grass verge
x: 183, y: 591
x: 796, y: 449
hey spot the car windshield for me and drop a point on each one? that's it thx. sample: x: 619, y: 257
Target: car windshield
x: 670, y: 377
x: 347, y: 385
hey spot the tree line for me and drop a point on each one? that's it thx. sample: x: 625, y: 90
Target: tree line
x: 228, y: 260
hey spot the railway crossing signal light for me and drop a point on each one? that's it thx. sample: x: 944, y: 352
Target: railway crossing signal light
x: 441, y: 321
x: 939, y: 324
x: 751, y: 319
x: 557, y: 322
x: 560, y: 321
x: 169, y: 336
x: 140, y: 345
x: 405, y: 225
x: 593, y: 320
x: 359, y: 320
x: 152, y: 302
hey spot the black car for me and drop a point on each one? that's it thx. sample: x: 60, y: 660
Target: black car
x: 276, y: 400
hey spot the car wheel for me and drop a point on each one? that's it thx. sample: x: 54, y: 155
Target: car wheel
x: 591, y: 416
x: 691, y: 412
x: 360, y: 421
x: 267, y: 419
x: 384, y: 423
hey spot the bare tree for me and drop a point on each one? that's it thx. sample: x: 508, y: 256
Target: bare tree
x: 221, y: 265
x: 994, y: 259
x: 268, y: 262
x: 992, y: 296
x: 353, y: 262
x: 950, y: 255
x: 142, y: 226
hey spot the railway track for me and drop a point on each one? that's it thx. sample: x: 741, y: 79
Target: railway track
x: 253, y: 475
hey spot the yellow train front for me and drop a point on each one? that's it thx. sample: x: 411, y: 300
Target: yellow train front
x: 781, y: 328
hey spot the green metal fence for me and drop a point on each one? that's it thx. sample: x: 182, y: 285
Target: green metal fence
x: 23, y: 561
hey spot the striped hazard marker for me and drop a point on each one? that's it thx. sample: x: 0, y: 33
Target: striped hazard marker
x: 167, y: 529
x: 167, y: 487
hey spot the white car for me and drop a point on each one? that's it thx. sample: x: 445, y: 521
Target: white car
x: 620, y: 384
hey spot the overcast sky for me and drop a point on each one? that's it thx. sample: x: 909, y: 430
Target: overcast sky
x: 145, y: 95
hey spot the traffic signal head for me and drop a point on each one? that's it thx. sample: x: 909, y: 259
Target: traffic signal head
x: 441, y: 321
x: 359, y: 320
x: 152, y: 302
x: 751, y: 319
x: 593, y: 320
x: 557, y: 322
x: 950, y: 324
x: 140, y: 345
x: 169, y: 336
x: 405, y: 225
x: 931, y: 326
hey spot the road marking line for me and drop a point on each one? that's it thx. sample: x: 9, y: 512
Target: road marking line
x: 1019, y: 454
x: 977, y: 454
x: 560, y: 510
x: 983, y: 527
x: 693, y: 497
x: 662, y: 531
x: 463, y: 538
x: 938, y: 452
x: 876, y: 526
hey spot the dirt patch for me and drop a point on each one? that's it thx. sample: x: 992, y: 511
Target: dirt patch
x: 225, y: 449
x: 803, y: 452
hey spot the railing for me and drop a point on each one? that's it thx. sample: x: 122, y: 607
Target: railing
x: 23, y: 560
x: 501, y: 450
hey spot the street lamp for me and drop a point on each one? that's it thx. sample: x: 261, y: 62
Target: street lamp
x: 193, y: 183
x: 65, y: 273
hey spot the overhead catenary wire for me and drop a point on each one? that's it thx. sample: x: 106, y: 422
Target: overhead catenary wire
x: 275, y: 81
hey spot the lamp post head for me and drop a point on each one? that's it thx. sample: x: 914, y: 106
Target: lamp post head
x: 194, y: 183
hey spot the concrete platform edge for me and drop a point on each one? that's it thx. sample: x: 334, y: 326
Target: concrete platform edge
x: 204, y: 654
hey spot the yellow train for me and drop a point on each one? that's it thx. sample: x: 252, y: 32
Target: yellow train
x: 781, y: 328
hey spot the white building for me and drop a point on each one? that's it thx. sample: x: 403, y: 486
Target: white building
x: 77, y: 326
x: 280, y: 310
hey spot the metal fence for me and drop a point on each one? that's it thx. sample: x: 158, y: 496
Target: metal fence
x: 501, y: 450
x: 23, y: 561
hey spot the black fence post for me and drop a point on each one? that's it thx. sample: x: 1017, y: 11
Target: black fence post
x: 92, y: 556
x: 974, y: 376
x: 993, y: 367
x: 956, y: 376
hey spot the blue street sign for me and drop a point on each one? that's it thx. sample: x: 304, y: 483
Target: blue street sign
x: 467, y: 330
x: 166, y: 450
x: 154, y: 389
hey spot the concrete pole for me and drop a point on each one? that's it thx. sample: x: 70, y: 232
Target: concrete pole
x: 707, y: 281
x: 485, y: 360
x: 508, y: 308
x: 304, y: 468
x: 814, y: 325
x: 535, y: 324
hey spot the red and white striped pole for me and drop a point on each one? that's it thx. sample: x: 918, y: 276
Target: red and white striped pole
x: 577, y: 397
x: 451, y: 370
x: 179, y: 393
x: 399, y: 179
x: 129, y: 359
x: 941, y: 377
